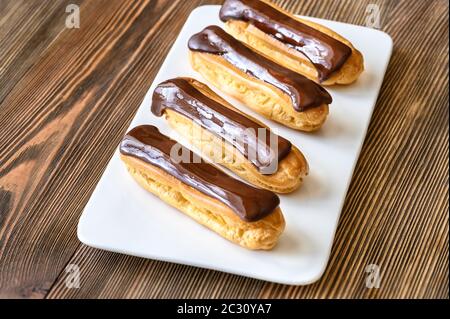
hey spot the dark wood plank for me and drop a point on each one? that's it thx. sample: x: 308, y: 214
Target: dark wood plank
x: 26, y: 29
x: 87, y: 86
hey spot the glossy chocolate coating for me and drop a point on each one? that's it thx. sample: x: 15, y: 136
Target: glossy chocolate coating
x: 303, y: 92
x: 247, y: 136
x: 326, y: 53
x: 146, y: 143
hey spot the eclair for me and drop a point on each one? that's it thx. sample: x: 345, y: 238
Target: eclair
x: 268, y: 88
x: 229, y: 137
x: 243, y: 214
x: 306, y: 47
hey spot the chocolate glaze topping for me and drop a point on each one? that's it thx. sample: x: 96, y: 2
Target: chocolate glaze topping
x: 303, y: 92
x: 146, y: 143
x: 326, y: 53
x: 250, y: 138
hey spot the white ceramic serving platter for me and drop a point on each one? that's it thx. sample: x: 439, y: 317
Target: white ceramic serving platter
x: 122, y: 217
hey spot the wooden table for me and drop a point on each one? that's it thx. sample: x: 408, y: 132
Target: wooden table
x: 68, y: 95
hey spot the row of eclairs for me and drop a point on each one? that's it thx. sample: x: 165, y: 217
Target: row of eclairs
x: 276, y: 65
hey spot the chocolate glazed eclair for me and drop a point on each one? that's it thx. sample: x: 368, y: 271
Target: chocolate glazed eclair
x: 301, y: 45
x: 228, y: 137
x: 270, y: 89
x: 237, y: 211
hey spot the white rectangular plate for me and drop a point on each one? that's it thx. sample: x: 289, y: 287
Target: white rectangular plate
x: 122, y: 217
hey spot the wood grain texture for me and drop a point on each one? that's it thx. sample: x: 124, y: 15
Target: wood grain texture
x: 68, y: 95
